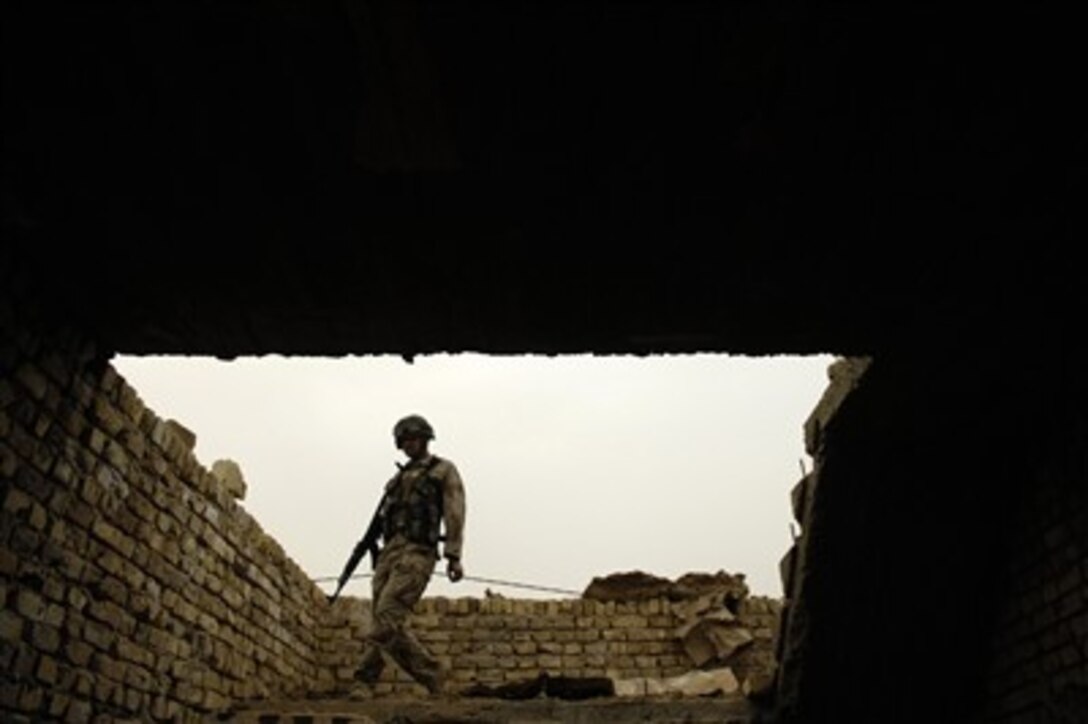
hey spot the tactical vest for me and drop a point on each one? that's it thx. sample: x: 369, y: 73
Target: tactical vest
x: 417, y: 513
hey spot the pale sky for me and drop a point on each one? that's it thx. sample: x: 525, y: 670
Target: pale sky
x: 574, y: 466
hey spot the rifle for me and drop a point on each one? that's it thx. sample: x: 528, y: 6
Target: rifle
x: 369, y: 542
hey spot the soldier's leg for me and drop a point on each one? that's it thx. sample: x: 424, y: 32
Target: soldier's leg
x: 407, y: 582
x: 372, y: 663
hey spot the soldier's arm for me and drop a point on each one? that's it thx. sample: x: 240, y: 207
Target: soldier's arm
x: 453, y: 512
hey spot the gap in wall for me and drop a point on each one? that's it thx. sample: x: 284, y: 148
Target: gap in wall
x: 575, y: 466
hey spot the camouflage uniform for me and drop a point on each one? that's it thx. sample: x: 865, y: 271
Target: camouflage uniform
x: 407, y: 562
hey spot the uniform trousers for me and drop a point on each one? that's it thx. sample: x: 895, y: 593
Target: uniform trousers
x: 400, y: 578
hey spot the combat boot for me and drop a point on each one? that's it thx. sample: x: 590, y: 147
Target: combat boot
x: 361, y: 692
x: 434, y: 683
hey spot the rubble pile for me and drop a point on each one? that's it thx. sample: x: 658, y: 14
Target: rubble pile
x: 718, y: 623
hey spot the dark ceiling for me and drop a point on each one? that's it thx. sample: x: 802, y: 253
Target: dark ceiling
x: 363, y: 177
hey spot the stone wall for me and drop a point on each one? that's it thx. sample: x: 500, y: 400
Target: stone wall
x: 496, y: 641
x: 133, y: 585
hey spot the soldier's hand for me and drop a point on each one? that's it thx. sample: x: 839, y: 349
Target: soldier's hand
x: 454, y: 571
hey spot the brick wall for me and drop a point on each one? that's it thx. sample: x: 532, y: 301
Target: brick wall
x: 1039, y: 659
x: 132, y: 584
x: 982, y: 568
x: 493, y: 641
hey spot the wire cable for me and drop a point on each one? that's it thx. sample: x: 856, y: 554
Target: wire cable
x: 495, y: 581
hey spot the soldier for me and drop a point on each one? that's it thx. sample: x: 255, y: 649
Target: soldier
x: 425, y: 495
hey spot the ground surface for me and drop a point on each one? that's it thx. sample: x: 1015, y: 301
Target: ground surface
x: 610, y: 710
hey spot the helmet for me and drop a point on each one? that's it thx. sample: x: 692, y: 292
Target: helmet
x: 412, y: 425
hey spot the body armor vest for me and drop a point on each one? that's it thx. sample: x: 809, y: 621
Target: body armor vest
x: 415, y: 513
